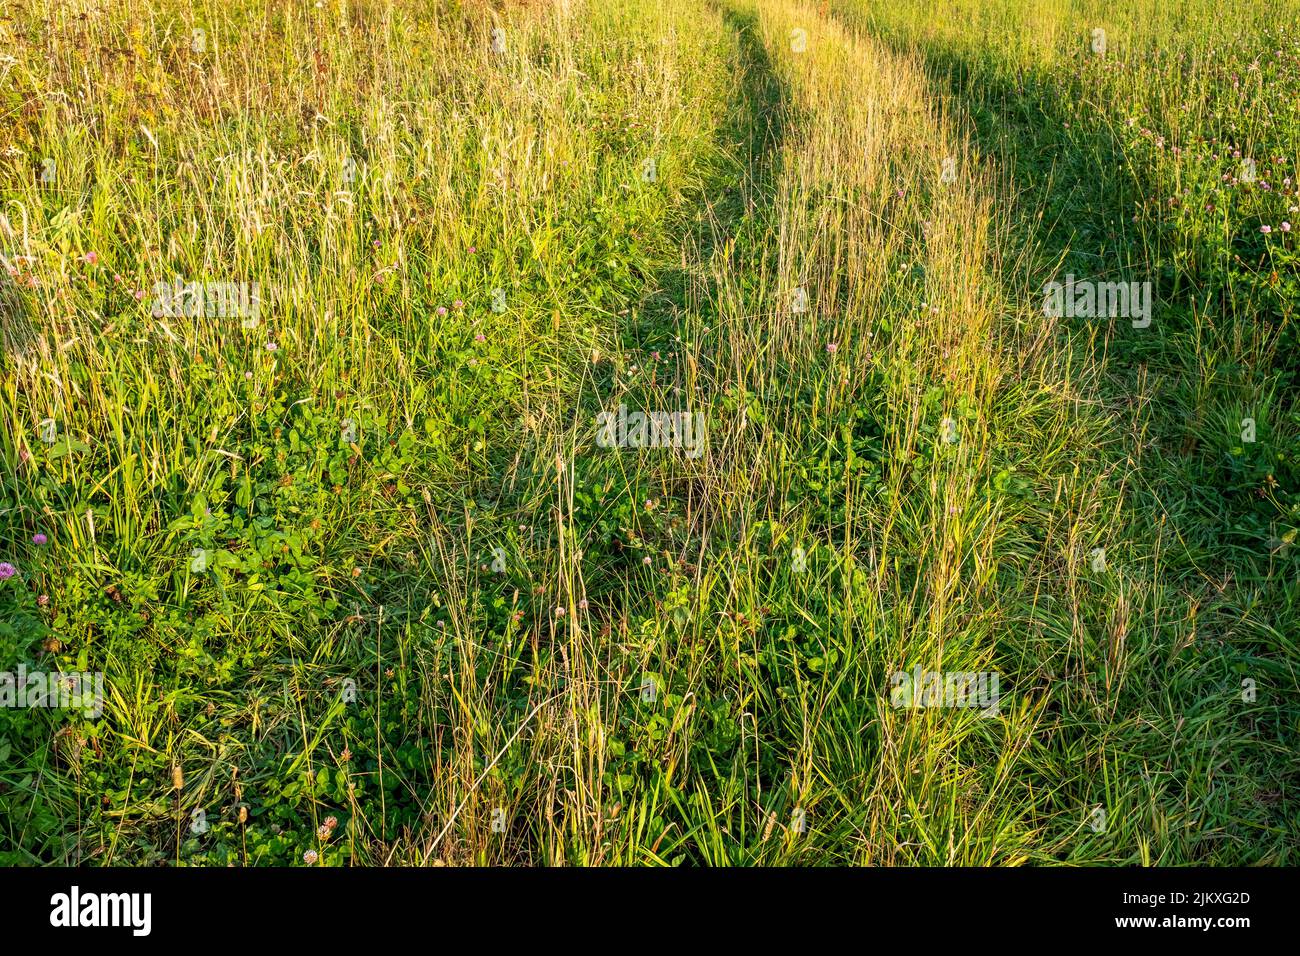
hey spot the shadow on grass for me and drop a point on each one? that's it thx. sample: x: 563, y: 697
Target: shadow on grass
x: 1075, y: 191
x: 738, y: 192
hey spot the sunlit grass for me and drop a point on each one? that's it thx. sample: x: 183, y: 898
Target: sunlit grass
x: 436, y: 622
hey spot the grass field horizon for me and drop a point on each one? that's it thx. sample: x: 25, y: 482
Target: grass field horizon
x: 705, y: 432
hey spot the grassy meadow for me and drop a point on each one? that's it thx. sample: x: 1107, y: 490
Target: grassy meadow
x: 363, y: 579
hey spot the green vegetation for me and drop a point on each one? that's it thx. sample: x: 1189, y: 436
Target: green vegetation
x: 364, y: 585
